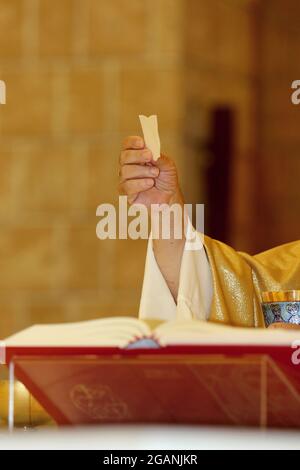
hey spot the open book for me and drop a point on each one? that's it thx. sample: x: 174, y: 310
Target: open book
x: 129, y: 332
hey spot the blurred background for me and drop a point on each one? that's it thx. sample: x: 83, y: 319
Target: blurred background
x: 217, y: 73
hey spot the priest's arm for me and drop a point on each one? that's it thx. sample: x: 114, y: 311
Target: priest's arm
x: 213, y: 282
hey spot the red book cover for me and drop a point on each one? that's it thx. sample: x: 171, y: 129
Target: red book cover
x: 225, y: 385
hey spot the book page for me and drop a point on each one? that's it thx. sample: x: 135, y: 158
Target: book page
x: 200, y: 332
x: 114, y: 331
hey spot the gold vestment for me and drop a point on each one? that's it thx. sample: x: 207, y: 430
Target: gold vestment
x: 239, y: 279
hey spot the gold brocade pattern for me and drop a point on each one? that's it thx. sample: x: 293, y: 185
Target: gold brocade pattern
x: 239, y: 279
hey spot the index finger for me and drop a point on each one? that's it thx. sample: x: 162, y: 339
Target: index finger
x: 133, y: 142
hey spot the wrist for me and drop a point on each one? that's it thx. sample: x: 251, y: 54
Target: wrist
x: 168, y: 222
x: 177, y: 198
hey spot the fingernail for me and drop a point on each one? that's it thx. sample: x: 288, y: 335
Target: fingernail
x: 154, y: 171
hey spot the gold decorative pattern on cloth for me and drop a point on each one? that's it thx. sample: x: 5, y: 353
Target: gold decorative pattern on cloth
x: 239, y: 280
x: 281, y: 296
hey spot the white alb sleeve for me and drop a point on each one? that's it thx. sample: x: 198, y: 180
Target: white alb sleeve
x: 195, y: 287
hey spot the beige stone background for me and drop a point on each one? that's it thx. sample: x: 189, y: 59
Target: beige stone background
x: 78, y: 73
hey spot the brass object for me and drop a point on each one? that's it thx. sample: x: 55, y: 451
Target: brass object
x: 28, y: 412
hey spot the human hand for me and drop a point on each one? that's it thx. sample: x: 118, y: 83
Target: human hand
x: 144, y: 180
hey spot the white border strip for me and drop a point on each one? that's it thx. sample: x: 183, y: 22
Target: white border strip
x: 11, y: 396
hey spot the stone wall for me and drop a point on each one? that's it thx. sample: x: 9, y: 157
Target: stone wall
x: 245, y: 55
x: 279, y: 125
x: 78, y: 73
x: 221, y: 71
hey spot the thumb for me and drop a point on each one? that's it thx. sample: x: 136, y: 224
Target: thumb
x: 164, y: 162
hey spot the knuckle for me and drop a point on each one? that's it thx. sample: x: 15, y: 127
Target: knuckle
x: 124, y: 157
x: 121, y: 157
x: 125, y: 142
x: 121, y: 173
x: 127, y: 187
x: 128, y: 141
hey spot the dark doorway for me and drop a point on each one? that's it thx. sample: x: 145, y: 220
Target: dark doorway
x: 218, y: 171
